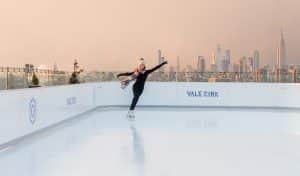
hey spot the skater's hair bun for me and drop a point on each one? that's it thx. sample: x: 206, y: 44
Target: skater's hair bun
x: 142, y: 61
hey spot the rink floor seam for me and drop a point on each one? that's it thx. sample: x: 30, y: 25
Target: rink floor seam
x: 198, y: 108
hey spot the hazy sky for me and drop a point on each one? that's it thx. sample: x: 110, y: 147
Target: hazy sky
x: 113, y: 34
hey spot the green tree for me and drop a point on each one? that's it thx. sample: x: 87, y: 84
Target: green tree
x: 35, y: 80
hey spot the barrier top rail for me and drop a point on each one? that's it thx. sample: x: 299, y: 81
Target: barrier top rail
x: 15, y: 78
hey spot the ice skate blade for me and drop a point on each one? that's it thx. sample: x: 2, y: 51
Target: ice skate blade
x: 130, y: 118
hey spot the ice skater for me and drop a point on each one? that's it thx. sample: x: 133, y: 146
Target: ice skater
x: 140, y: 76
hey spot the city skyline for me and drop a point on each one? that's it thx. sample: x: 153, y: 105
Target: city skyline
x: 113, y: 35
x: 280, y: 59
x: 222, y: 61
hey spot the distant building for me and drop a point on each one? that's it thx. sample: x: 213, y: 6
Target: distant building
x: 256, y: 60
x: 189, y: 68
x: 178, y: 64
x: 213, y: 65
x: 228, y: 55
x: 29, y: 68
x: 236, y: 67
x: 160, y: 60
x: 226, y: 61
x: 172, y: 74
x: 159, y: 57
x: 162, y: 69
x: 43, y: 67
x: 225, y: 65
x: 278, y: 64
x: 294, y: 66
x: 218, y: 58
x: 243, y: 65
x: 55, y: 67
x: 280, y: 54
x: 201, y: 64
x: 250, y: 64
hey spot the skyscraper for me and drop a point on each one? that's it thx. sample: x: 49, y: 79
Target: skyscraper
x: 55, y: 67
x: 281, y: 54
x: 213, y: 65
x: 160, y: 60
x: 225, y: 65
x: 172, y: 74
x: 250, y: 64
x: 159, y: 56
x: 236, y: 67
x: 278, y: 64
x: 162, y: 69
x: 219, y: 58
x: 228, y: 55
x: 178, y: 65
x: 243, y: 65
x: 226, y: 61
x: 201, y: 64
x: 256, y: 60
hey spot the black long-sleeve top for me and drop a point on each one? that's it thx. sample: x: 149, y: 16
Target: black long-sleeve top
x: 142, y: 76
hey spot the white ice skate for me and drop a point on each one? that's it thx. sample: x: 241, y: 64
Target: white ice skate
x: 130, y: 115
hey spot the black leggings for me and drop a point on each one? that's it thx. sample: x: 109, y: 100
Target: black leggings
x: 136, y: 95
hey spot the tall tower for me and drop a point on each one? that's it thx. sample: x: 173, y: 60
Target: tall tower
x: 178, y: 65
x: 278, y: 63
x: 162, y: 69
x: 160, y: 60
x: 282, y: 53
x: 201, y: 64
x: 250, y: 64
x: 219, y: 58
x: 159, y: 57
x: 55, y: 67
x: 226, y: 61
x: 256, y: 60
x: 228, y: 56
x: 213, y: 64
x: 243, y: 65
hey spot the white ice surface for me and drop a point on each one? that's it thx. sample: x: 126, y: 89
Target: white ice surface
x: 163, y: 143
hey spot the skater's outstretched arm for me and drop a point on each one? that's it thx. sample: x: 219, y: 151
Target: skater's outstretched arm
x: 125, y: 74
x: 157, y: 67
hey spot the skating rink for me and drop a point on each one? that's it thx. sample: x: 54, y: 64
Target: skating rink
x: 163, y: 142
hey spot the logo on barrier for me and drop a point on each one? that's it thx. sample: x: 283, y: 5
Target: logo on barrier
x: 71, y: 101
x: 202, y: 93
x: 32, y: 110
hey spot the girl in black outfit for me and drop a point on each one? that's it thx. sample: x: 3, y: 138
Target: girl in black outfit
x: 141, y: 76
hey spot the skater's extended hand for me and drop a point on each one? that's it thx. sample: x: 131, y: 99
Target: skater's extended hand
x: 166, y: 62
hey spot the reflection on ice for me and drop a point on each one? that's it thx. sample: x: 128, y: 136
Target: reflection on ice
x: 163, y: 143
x: 138, y: 150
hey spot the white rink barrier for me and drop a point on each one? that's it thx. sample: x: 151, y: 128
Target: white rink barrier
x: 26, y: 111
x: 259, y: 95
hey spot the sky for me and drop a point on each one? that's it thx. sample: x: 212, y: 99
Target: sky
x: 114, y: 34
